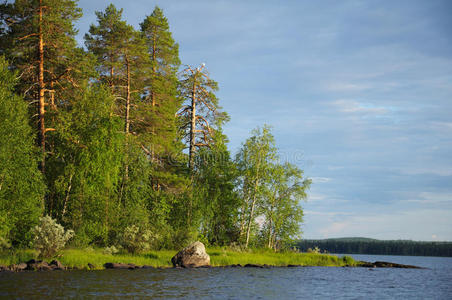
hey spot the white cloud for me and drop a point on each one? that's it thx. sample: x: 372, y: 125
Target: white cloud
x: 320, y: 179
x: 351, y: 106
x: 347, y: 87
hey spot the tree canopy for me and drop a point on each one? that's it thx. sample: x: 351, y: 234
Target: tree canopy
x: 119, y: 141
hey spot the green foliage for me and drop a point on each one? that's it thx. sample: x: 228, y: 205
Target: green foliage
x: 217, y: 201
x: 136, y: 239
x: 87, y: 169
x: 21, y: 184
x: 113, y: 141
x: 50, y: 237
x: 110, y: 250
x: 254, y: 162
x: 281, y: 207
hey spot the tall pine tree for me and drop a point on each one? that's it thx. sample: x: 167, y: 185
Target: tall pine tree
x: 39, y: 42
x: 158, y: 123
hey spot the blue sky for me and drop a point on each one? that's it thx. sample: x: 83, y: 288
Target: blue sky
x: 359, y: 94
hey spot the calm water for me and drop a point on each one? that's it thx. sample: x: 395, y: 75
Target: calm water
x: 242, y: 283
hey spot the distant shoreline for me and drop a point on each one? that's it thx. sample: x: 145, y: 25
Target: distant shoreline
x: 379, y: 247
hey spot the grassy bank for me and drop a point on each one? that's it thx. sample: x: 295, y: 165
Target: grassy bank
x: 80, y: 258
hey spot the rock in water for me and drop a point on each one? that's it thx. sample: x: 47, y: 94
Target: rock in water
x: 193, y: 256
x: 56, y: 265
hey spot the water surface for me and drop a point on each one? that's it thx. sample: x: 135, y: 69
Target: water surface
x: 242, y: 283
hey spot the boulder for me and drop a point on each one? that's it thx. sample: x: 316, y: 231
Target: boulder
x: 193, y: 256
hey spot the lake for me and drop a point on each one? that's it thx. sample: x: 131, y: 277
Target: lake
x: 435, y: 282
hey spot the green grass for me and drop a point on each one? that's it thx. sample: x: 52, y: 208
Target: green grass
x: 80, y: 258
x: 219, y: 257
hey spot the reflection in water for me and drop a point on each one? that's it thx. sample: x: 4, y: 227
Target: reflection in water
x: 239, y: 283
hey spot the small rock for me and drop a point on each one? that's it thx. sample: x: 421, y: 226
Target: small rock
x: 120, y: 266
x: 384, y: 264
x: 293, y: 266
x: 56, y: 265
x: 253, y: 266
x: 91, y: 266
x: 192, y: 256
x: 147, y: 267
x: 17, y: 267
x: 39, y: 265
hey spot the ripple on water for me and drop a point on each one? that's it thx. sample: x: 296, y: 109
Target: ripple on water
x: 240, y: 283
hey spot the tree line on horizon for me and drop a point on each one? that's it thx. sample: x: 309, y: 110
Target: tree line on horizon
x: 120, y: 133
x: 379, y: 247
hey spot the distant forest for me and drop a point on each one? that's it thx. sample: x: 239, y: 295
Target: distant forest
x: 373, y: 246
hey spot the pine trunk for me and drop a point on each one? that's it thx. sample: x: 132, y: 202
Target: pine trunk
x: 41, y: 84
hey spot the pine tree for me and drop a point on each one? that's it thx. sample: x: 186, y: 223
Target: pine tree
x: 122, y: 62
x: 121, y: 57
x: 39, y: 41
x: 201, y: 110
x: 158, y: 123
x: 21, y: 184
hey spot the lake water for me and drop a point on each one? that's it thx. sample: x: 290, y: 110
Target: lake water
x: 435, y: 282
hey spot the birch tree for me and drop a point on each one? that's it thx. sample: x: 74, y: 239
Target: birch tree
x: 21, y: 184
x: 281, y: 206
x: 254, y: 162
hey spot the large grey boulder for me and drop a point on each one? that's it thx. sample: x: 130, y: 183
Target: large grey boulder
x: 193, y: 256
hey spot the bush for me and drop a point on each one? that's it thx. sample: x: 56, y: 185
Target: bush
x: 348, y: 260
x: 315, y: 250
x: 50, y: 237
x: 4, y: 243
x: 110, y: 250
x: 136, y: 239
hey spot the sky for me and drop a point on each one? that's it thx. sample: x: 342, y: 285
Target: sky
x: 359, y: 94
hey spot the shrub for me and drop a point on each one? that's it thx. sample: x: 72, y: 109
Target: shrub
x: 348, y: 260
x: 315, y: 250
x: 136, y: 239
x: 110, y: 250
x: 50, y: 237
x: 4, y: 243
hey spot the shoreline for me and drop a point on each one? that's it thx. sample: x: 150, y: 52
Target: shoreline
x: 91, y: 259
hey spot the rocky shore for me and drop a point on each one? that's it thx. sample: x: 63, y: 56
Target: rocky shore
x: 192, y: 256
x: 55, y: 265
